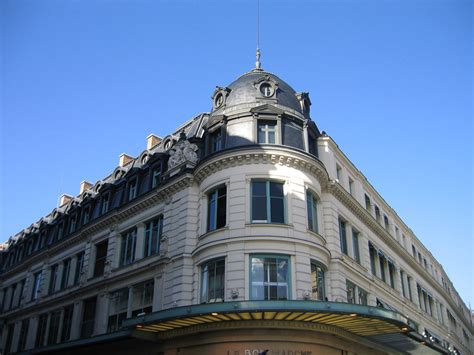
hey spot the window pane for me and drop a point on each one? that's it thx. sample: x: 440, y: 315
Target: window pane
x: 277, y: 210
x: 257, y: 279
x: 276, y: 189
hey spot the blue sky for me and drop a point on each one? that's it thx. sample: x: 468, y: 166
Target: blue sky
x: 390, y: 81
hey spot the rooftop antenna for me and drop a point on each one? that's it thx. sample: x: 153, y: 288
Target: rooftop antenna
x: 257, y: 63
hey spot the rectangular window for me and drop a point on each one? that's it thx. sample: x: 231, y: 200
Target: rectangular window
x: 8, y: 343
x: 391, y: 274
x: 355, y: 245
x: 409, y: 288
x: 270, y: 278
x: 127, y: 251
x: 72, y: 224
x: 343, y: 236
x: 351, y: 186
x: 362, y: 296
x: 66, y: 271
x: 36, y: 286
x: 52, y: 279
x: 88, y: 317
x: 338, y: 172
x: 311, y: 206
x: 104, y: 208
x: 86, y: 215
x: 318, y: 288
x: 67, y: 323
x: 419, y: 257
x: 100, y: 258
x: 215, y: 141
x: 373, y: 257
x: 413, y: 249
x: 117, y: 309
x: 351, y: 292
x: 216, y: 208
x: 60, y: 231
x: 377, y: 213
x: 142, y: 298
x: 19, y: 289
x: 385, y: 221
x: 266, y: 132
x: 153, y: 230
x: 79, y: 267
x: 25, y: 324
x: 54, y: 327
x: 212, y: 281
x: 41, y: 330
x: 156, y: 176
x: 382, y: 267
x: 132, y: 189
x: 12, y: 297
x: 267, y: 202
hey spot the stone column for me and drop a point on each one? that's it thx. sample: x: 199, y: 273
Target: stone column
x: 158, y: 293
x: 130, y: 298
x: 48, y: 324
x: 57, y: 286
x: 349, y: 241
x: 414, y: 292
x: 102, y: 312
x: 76, y: 320
x: 113, y: 251
x: 140, y: 245
x: 32, y: 330
x: 398, y: 280
x: 45, y: 275
x: 89, y: 261
x: 364, y: 251
x: 16, y: 337
x: 8, y: 295
x: 61, y: 323
x: 72, y: 271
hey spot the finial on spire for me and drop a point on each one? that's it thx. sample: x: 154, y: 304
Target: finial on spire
x: 257, y: 63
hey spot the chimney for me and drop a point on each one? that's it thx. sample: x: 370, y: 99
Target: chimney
x: 64, y: 199
x: 124, y: 159
x: 152, y: 141
x: 85, y: 185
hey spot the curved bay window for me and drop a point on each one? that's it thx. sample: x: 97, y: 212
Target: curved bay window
x: 269, y: 277
x: 216, y: 208
x: 317, y: 282
x: 268, y: 202
x: 212, y: 281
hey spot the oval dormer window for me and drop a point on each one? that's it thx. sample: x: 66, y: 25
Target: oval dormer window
x: 219, y: 100
x: 266, y: 89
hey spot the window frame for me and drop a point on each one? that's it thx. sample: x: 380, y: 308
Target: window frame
x: 268, y: 199
x: 323, y: 268
x: 128, y: 244
x: 205, y: 281
x: 149, y: 230
x: 276, y: 130
x: 343, y: 235
x: 212, y: 225
x: 289, y: 282
x: 312, y: 202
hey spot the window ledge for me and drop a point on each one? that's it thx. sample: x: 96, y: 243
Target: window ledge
x: 215, y: 231
x: 280, y: 225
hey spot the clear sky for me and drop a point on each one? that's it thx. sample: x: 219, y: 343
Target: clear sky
x: 390, y: 81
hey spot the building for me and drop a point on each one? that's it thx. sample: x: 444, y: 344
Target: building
x: 247, y: 231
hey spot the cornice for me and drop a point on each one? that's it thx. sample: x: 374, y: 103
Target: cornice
x: 350, y: 202
x: 273, y: 155
x: 107, y: 221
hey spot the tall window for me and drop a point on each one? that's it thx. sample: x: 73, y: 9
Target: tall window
x: 270, y: 278
x: 312, y: 202
x: 25, y: 324
x: 66, y: 271
x: 100, y: 258
x: 385, y: 221
x: 212, y: 281
x: 54, y: 327
x: 132, y: 189
x: 104, y: 208
x: 36, y: 286
x: 391, y: 274
x: 60, y: 231
x: 41, y: 330
x: 409, y: 288
x: 377, y: 213
x: 402, y: 278
x: 268, y: 204
x: 117, y: 309
x: 317, y: 282
x: 142, y: 298
x: 153, y: 230
x: 355, y: 245
x: 72, y: 224
x: 67, y: 323
x: 351, y: 292
x: 266, y: 132
x: 343, y: 235
x: 351, y: 186
x: 127, y: 252
x: 52, y: 279
x: 88, y: 317
x: 368, y: 204
x: 382, y: 267
x: 216, y: 208
x: 156, y: 176
x: 215, y: 141
x: 79, y: 267
x: 86, y: 215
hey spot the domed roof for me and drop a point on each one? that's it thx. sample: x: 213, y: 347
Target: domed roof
x: 244, y: 90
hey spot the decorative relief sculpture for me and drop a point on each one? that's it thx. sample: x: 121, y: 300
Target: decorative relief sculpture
x: 182, y: 152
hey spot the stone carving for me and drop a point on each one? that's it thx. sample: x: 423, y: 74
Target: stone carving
x: 182, y: 152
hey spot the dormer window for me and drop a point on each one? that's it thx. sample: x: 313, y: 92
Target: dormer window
x: 132, y: 189
x: 219, y: 100
x: 219, y: 97
x: 266, y: 89
x: 60, y: 233
x: 72, y: 224
x: 86, y: 215
x: 156, y: 176
x: 104, y: 208
x: 215, y: 139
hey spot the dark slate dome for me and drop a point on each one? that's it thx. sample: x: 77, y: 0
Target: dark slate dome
x: 244, y: 90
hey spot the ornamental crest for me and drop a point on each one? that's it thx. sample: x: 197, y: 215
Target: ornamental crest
x: 182, y: 152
